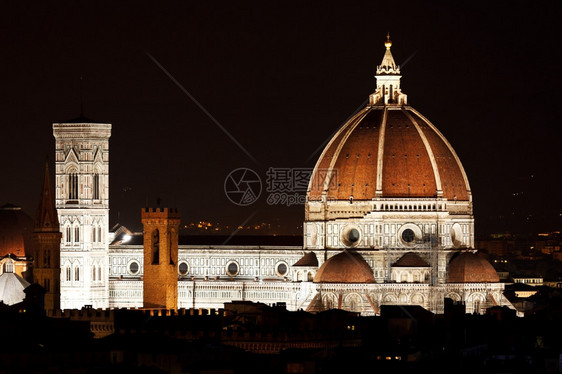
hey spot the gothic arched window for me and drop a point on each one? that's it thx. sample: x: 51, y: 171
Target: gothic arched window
x: 96, y: 186
x: 73, y: 186
x: 68, y: 234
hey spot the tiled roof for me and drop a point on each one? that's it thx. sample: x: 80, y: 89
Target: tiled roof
x: 468, y: 267
x: 411, y: 260
x: 345, y: 267
x: 309, y: 259
x: 415, y: 156
x: 11, y: 288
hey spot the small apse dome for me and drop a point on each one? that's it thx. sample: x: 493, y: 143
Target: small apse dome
x: 345, y: 267
x: 468, y: 267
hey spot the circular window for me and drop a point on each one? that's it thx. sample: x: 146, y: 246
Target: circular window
x: 281, y: 269
x: 353, y: 235
x: 232, y: 268
x: 134, y: 268
x: 408, y: 236
x: 183, y: 268
x: 350, y: 236
x: 456, y: 235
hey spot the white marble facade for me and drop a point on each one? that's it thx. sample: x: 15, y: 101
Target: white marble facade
x: 82, y: 202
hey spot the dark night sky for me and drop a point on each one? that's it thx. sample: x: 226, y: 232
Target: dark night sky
x: 280, y: 77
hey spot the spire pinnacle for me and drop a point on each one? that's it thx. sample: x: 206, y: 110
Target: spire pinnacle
x: 46, y: 218
x: 388, y: 43
x: 388, y: 66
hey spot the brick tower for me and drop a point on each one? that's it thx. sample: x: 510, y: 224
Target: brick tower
x: 160, y: 281
x: 47, y: 242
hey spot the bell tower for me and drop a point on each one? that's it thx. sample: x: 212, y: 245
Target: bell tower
x: 160, y: 281
x: 47, y: 241
x: 82, y: 202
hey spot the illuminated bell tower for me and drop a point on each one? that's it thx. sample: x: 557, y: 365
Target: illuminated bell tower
x: 160, y: 280
x: 82, y: 202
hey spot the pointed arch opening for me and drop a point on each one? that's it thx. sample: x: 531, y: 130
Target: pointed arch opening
x: 97, y: 183
x: 72, y: 183
x: 96, y: 186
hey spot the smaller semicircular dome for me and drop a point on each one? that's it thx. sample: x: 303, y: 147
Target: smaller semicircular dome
x: 345, y: 267
x: 468, y: 267
x: 411, y: 260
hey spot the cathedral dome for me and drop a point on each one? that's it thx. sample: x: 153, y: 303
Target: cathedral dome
x: 389, y: 153
x: 16, y: 228
x: 345, y: 267
x: 388, y: 150
x: 467, y: 267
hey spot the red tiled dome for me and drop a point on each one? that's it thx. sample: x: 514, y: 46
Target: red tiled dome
x: 16, y: 228
x: 394, y: 147
x: 467, y: 267
x: 345, y: 267
x: 411, y: 260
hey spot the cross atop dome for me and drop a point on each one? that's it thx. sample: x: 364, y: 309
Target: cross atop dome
x: 388, y: 76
